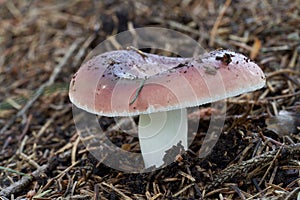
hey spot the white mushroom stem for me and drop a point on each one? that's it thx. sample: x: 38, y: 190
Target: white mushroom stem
x: 158, y: 132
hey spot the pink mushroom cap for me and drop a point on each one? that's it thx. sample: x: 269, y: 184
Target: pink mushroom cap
x: 129, y: 82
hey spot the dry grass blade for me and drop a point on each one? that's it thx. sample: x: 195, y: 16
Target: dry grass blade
x: 217, y: 23
x: 257, y: 194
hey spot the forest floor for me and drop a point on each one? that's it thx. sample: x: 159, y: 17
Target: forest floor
x: 43, y: 43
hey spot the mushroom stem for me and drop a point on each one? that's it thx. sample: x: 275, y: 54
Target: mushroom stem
x: 158, y: 132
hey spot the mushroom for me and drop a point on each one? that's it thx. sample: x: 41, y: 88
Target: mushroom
x: 159, y: 89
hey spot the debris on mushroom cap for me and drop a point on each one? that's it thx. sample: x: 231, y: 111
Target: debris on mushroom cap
x: 124, y: 82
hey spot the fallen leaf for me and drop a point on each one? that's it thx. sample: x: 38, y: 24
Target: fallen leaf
x: 284, y: 123
x: 255, y: 48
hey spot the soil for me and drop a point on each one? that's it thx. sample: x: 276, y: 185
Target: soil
x: 43, y: 43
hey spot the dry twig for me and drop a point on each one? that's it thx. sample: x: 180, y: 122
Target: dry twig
x: 245, y: 166
x: 23, y: 183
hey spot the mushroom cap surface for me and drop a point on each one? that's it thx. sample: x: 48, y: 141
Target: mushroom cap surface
x: 129, y: 82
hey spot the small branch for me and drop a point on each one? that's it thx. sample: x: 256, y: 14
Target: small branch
x: 23, y: 183
x: 271, y: 164
x: 241, y: 169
